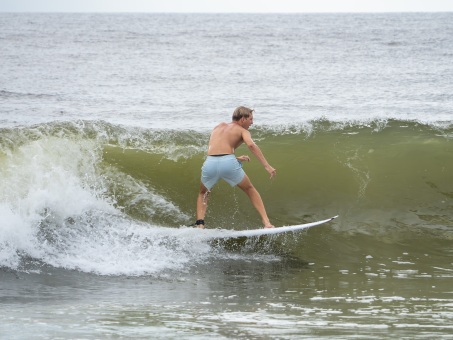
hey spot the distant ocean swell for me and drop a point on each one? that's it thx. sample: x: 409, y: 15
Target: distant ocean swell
x: 97, y: 197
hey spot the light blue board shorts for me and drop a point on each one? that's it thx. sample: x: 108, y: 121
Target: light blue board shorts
x: 225, y: 167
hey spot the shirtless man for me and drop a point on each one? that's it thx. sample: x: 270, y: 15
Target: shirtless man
x: 222, y: 163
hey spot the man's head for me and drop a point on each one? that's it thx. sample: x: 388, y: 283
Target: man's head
x: 242, y: 112
x: 243, y: 116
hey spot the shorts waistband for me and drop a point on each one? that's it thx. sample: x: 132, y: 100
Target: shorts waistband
x: 222, y: 157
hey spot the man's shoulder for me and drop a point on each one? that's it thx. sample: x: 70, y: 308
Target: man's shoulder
x: 239, y: 130
x: 221, y: 125
x: 231, y: 128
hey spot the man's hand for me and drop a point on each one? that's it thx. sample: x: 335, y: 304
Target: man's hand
x: 271, y: 171
x: 243, y: 158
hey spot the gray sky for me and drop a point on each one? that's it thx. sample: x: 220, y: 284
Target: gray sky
x: 266, y: 6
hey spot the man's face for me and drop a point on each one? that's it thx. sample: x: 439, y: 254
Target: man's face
x: 248, y: 121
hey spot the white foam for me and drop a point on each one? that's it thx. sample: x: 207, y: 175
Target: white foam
x: 55, y: 208
x: 15, y: 237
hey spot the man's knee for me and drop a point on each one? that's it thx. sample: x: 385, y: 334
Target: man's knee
x: 246, y: 186
x: 203, y: 189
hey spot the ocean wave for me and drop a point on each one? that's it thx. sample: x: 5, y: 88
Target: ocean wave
x: 77, y: 195
x: 21, y: 95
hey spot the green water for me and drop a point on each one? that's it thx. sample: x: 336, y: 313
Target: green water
x: 395, y: 175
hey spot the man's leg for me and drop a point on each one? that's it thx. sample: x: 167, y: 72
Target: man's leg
x: 202, y: 203
x: 247, y: 186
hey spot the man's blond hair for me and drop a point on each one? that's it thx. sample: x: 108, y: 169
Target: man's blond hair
x: 242, y: 112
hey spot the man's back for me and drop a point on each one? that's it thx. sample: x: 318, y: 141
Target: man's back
x: 225, y: 138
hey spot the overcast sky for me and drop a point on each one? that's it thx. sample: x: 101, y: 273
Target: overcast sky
x: 259, y: 6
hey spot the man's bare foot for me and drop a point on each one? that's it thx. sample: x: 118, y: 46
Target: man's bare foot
x: 269, y: 226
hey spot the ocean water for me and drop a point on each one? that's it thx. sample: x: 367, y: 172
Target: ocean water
x: 104, y: 122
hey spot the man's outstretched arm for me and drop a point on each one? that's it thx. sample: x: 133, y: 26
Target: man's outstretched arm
x: 258, y: 153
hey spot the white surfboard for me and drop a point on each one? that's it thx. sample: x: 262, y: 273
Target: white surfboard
x: 269, y: 231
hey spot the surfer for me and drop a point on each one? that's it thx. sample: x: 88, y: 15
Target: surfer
x: 221, y: 163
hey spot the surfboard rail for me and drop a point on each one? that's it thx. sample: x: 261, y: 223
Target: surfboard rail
x: 277, y: 230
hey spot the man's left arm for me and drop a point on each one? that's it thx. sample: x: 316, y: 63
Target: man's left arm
x: 258, y: 153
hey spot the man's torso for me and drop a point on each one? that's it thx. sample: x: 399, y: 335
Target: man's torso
x: 225, y: 138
